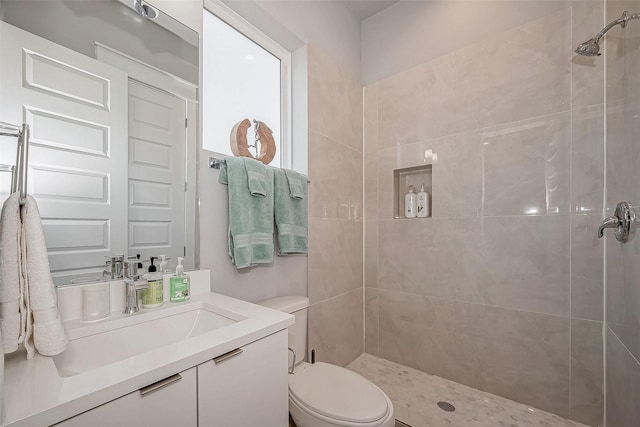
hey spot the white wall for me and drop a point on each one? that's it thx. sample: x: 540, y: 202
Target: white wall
x: 413, y: 32
x: 327, y: 25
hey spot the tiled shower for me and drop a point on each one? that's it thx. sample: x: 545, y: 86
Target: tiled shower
x: 502, y: 289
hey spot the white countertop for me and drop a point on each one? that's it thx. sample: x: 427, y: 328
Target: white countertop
x: 36, y: 395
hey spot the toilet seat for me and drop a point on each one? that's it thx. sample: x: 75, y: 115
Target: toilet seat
x: 337, y: 395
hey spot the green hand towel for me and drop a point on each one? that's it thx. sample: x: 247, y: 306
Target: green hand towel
x: 250, y: 217
x: 296, y: 189
x: 290, y: 213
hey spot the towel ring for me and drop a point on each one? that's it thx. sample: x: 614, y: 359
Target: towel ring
x: 240, y: 147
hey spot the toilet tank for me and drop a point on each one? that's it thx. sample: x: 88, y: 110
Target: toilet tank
x: 296, y: 305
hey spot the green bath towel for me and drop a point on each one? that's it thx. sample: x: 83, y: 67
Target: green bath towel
x: 250, y: 216
x: 291, y: 211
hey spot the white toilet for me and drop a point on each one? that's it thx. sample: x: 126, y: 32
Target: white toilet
x: 325, y: 395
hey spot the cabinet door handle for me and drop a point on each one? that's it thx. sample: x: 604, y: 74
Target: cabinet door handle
x: 160, y: 384
x: 227, y: 356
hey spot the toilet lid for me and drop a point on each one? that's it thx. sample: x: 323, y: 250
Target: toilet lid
x: 338, y: 393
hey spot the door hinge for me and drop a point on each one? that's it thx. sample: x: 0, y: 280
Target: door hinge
x: 185, y: 186
x: 185, y: 251
x: 186, y: 122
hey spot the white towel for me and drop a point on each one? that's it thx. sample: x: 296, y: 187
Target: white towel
x: 48, y: 334
x: 11, y: 280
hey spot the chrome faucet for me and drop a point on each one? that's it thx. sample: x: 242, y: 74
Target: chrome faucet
x: 133, y: 283
x: 115, y: 267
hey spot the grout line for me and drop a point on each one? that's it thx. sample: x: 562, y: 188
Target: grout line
x: 459, y: 301
x: 571, y: 203
x: 485, y: 128
x: 364, y: 224
x: 604, y: 210
x: 624, y: 345
x: 437, y: 218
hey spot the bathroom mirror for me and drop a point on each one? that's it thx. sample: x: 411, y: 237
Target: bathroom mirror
x: 110, y: 97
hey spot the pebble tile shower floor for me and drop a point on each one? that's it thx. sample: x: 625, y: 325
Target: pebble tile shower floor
x: 415, y: 396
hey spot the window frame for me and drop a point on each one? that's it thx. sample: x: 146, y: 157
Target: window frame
x: 231, y: 18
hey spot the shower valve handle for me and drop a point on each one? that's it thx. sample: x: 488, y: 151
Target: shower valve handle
x: 623, y: 221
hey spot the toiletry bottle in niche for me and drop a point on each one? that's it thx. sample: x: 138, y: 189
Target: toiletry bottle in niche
x: 153, y: 297
x: 422, y: 208
x: 180, y: 284
x: 410, y: 204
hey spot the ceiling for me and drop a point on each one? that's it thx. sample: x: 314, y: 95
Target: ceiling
x: 362, y: 9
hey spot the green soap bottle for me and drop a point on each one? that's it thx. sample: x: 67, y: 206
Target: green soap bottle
x: 179, y: 284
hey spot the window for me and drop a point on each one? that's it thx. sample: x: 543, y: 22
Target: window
x: 245, y: 75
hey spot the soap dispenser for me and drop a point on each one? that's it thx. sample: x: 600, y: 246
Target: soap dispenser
x: 163, y: 264
x: 180, y: 284
x: 422, y: 210
x: 410, y: 204
x: 153, y: 296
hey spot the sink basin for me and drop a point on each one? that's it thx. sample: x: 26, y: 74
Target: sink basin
x: 131, y: 336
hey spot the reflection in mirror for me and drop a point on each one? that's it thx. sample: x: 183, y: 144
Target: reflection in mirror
x: 111, y: 100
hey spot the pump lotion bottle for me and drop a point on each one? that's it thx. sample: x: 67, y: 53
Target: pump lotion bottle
x: 179, y: 284
x: 422, y: 204
x: 153, y: 296
x: 410, y: 204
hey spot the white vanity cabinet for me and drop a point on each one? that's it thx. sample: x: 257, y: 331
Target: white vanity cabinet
x: 245, y: 387
x: 170, y: 402
x: 248, y: 387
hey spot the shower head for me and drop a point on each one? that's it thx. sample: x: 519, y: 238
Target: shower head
x: 592, y: 47
x: 144, y: 10
x: 589, y: 48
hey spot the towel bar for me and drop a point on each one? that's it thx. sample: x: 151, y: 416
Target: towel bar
x: 215, y: 163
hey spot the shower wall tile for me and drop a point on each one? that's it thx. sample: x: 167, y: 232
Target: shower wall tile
x: 515, y: 262
x: 522, y: 168
x: 586, y: 268
x: 335, y: 257
x: 587, y: 397
x: 457, y: 176
x: 523, y: 262
x: 481, y: 85
x: 416, y: 256
x: 335, y: 261
x: 520, y: 355
x: 587, y: 159
x: 623, y: 174
x: 623, y: 384
x: 526, y: 167
x: 587, y: 73
x: 623, y: 54
x: 371, y: 319
x: 335, y: 328
x: 335, y: 100
x: 371, y: 253
x: 371, y: 185
x: 623, y: 291
x: 421, y: 332
x: 336, y: 187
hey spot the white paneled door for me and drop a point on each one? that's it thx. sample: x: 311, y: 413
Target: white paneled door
x: 157, y: 157
x: 77, y: 110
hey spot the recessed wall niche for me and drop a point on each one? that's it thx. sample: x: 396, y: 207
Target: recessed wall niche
x: 402, y: 179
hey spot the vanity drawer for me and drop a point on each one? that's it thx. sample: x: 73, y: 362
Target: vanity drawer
x: 169, y: 402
